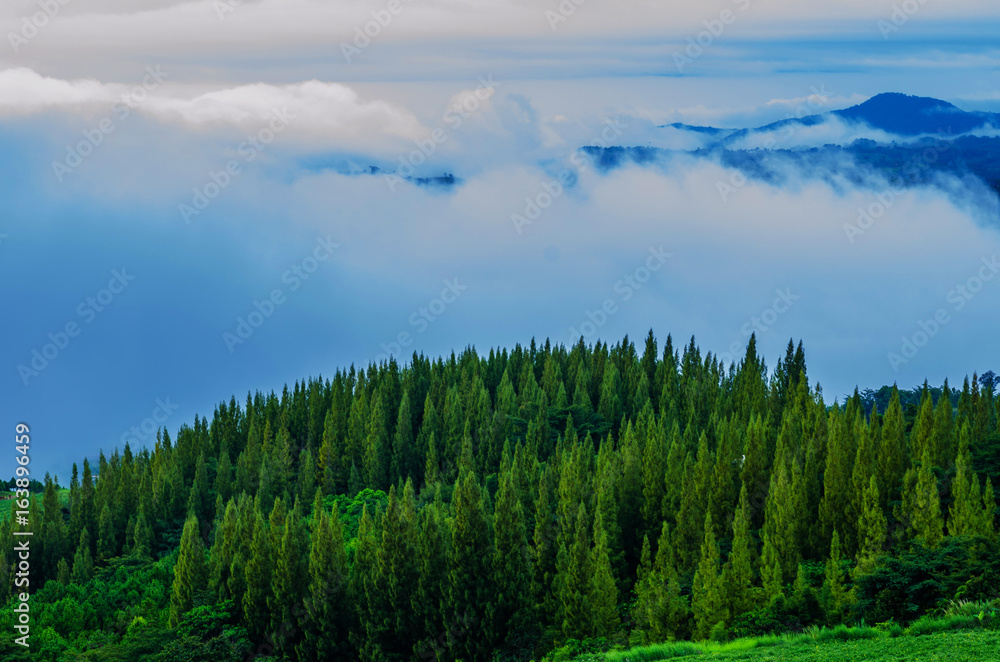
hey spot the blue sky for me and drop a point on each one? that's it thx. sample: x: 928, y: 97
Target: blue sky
x: 448, y: 268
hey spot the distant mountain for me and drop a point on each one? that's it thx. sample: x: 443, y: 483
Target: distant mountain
x: 919, y: 123
x: 911, y: 116
x: 899, y: 114
x: 711, y: 130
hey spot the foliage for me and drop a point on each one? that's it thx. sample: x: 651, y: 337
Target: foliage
x: 541, y: 500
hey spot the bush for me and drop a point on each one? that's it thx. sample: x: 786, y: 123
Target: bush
x: 574, y: 648
x: 930, y: 625
x: 779, y: 617
x: 907, y: 587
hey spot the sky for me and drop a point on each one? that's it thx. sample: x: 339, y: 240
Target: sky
x: 189, y: 214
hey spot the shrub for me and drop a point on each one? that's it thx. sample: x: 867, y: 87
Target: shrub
x: 913, y: 584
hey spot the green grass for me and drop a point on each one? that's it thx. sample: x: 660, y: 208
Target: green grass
x: 7, y: 505
x: 841, y: 644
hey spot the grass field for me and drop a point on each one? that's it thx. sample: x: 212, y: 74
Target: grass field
x: 972, y: 645
x: 964, y: 646
x: 7, y: 505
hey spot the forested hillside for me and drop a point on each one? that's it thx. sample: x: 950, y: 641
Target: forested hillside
x: 497, y: 507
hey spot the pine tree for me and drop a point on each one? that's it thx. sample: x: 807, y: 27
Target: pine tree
x: 754, y: 472
x: 694, y: 499
x: 987, y: 524
x: 248, y: 463
x: 236, y: 582
x: 923, y: 430
x: 871, y: 529
x: 377, y: 447
x: 404, y: 457
x: 644, y: 597
x: 863, y: 471
x: 189, y: 572
x: 432, y: 466
x: 224, y: 477
x: 469, y: 563
x: 327, y: 600
x: 833, y: 584
x: 738, y: 574
x: 921, y: 505
x: 365, y: 590
x: 654, y: 471
x: 305, y: 485
x: 573, y: 582
x: 88, y: 514
x: 969, y: 515
x: 724, y: 491
x: 63, y: 573
x: 603, y: 596
x: 396, y: 577
x: 142, y: 536
x: 836, y: 508
x: 510, y: 609
x: 708, y: 602
x: 432, y: 582
x: 223, y: 548
x: 783, y: 523
x: 83, y: 562
x: 673, y: 477
x: 331, y: 470
x: 943, y: 441
x: 199, y: 503
x: 290, y: 581
x: 660, y: 611
x: 107, y: 544
x: 892, y: 458
x: 543, y: 570
x: 259, y: 570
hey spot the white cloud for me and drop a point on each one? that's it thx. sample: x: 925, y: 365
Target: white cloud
x: 325, y: 114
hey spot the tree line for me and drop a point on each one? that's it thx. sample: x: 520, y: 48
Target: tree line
x: 501, y: 506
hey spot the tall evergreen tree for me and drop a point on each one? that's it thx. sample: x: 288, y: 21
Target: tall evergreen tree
x: 510, y: 612
x: 921, y: 505
x: 470, y: 573
x: 603, y: 595
x: 708, y: 602
x: 872, y: 529
x: 738, y: 573
x: 660, y: 610
x: 834, y: 594
x: 290, y: 582
x: 327, y: 600
x: 189, y: 572
x: 259, y: 570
